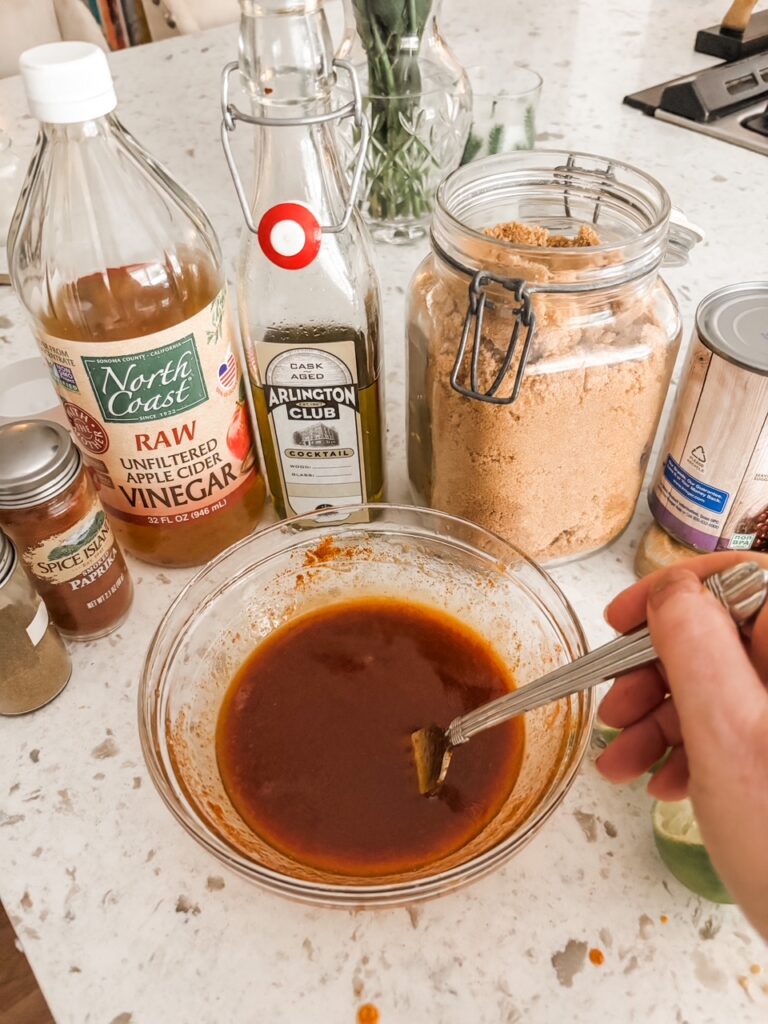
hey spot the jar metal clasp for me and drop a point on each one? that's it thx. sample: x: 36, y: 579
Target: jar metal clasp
x: 525, y: 321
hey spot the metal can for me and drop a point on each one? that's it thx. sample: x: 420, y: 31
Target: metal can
x: 710, y: 490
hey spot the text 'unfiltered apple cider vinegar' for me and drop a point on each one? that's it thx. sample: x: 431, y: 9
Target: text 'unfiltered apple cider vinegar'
x: 122, y: 276
x: 308, y: 296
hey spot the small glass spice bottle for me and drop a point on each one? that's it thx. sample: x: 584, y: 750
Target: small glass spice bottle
x: 50, y: 509
x: 35, y: 662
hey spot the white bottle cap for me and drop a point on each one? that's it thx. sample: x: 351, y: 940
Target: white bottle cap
x: 67, y: 82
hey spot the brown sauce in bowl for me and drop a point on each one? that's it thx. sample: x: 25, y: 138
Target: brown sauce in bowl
x: 313, y: 737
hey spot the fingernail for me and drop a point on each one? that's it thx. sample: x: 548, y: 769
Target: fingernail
x: 674, y: 581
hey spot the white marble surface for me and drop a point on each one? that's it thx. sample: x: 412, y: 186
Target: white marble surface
x: 126, y: 921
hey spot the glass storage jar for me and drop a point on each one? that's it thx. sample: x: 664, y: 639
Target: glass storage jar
x: 34, y: 663
x: 418, y: 101
x: 537, y: 375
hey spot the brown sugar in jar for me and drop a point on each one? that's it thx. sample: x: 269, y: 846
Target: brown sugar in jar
x: 50, y: 509
x: 541, y: 343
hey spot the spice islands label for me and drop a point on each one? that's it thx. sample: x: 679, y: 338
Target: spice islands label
x: 161, y: 419
x: 78, y: 556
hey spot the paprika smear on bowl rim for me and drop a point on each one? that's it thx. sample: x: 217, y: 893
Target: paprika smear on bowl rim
x: 313, y: 738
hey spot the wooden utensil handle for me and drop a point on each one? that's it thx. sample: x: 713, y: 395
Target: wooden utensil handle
x: 739, y: 13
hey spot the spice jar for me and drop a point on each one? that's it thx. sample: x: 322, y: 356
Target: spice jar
x: 35, y: 663
x: 541, y: 342
x: 49, y: 508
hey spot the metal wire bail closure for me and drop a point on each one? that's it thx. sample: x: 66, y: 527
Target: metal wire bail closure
x: 604, y: 176
x: 524, y: 318
x: 230, y: 115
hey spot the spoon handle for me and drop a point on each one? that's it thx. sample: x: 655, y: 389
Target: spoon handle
x: 742, y: 589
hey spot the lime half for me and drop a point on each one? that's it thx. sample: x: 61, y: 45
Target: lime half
x: 680, y: 846
x: 603, y: 734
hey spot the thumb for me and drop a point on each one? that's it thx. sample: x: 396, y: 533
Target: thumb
x: 717, y: 692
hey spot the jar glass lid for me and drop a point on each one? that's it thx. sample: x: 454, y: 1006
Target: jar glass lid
x: 37, y: 461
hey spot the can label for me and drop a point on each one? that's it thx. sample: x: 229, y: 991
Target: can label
x: 161, y: 420
x: 711, y: 488
x: 312, y: 402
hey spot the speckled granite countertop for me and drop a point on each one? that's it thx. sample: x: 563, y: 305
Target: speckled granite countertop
x: 126, y: 921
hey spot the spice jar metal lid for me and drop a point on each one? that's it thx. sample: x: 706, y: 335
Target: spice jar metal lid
x: 7, y: 558
x: 37, y: 461
x: 733, y: 323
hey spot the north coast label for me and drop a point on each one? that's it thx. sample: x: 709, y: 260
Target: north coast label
x: 161, y: 419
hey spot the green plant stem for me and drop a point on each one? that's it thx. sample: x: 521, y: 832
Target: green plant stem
x: 399, y: 163
x: 380, y: 60
x: 412, y: 24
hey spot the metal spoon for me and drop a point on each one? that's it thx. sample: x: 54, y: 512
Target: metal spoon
x: 742, y: 589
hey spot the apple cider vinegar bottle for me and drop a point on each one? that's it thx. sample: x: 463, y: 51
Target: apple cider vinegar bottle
x: 121, y: 274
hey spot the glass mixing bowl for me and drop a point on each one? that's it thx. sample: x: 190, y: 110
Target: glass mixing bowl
x: 272, y: 576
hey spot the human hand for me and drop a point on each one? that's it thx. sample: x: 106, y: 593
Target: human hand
x: 708, y: 702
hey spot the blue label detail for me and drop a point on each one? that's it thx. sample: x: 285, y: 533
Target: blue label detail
x: 64, y: 376
x: 710, y: 498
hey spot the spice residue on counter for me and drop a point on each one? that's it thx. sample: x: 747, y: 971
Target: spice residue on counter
x: 368, y: 1014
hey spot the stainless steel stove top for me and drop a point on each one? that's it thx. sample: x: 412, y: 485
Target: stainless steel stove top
x: 728, y: 102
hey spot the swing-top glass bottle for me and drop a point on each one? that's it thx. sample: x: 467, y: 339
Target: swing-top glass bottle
x: 308, y: 295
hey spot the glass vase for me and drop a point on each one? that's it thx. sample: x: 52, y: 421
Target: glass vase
x: 418, y: 100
